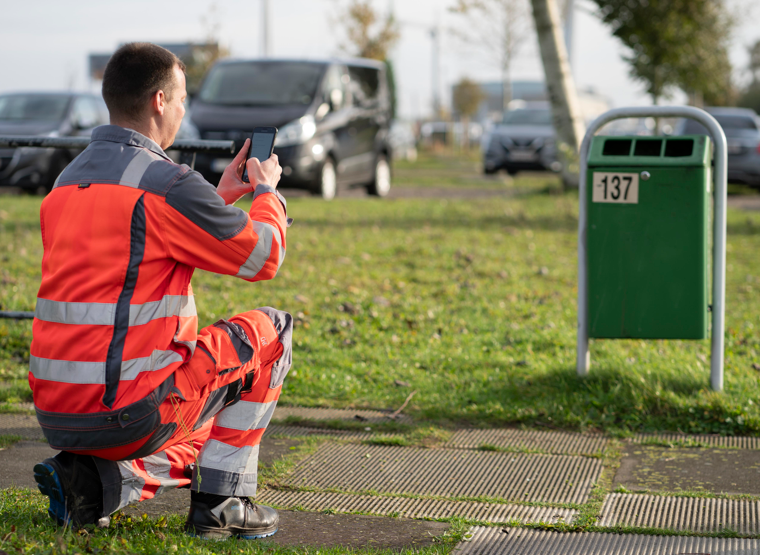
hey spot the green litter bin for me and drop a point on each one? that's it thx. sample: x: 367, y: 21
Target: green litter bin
x: 647, y: 244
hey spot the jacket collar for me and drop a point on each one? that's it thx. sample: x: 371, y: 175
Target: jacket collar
x: 117, y: 134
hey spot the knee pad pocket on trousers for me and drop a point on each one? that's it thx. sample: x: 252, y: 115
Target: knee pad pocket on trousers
x: 283, y: 325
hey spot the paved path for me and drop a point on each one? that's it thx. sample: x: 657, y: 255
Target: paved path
x: 633, y: 496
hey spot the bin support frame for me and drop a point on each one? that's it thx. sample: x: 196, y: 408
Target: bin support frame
x: 720, y: 179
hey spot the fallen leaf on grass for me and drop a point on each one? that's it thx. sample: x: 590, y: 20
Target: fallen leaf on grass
x: 756, y: 366
x: 401, y: 383
x: 301, y: 298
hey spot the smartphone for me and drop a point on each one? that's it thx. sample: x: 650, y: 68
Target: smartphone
x: 262, y: 145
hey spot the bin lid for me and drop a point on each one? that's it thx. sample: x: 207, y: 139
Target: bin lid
x: 684, y: 150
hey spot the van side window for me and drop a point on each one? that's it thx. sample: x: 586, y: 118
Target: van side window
x: 334, y: 88
x: 365, y: 83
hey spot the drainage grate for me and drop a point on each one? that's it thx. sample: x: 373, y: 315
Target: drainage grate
x: 549, y: 442
x: 336, y: 414
x: 738, y: 442
x: 449, y: 473
x: 414, y: 508
x: 23, y: 425
x: 681, y: 513
x: 516, y: 541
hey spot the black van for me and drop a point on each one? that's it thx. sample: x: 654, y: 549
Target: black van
x: 333, y: 118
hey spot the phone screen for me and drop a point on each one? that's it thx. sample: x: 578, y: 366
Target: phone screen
x: 261, y: 146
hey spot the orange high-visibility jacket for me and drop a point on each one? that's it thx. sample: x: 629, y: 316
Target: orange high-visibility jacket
x: 123, y: 230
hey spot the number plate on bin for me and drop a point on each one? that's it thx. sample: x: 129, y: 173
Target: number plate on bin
x: 621, y: 188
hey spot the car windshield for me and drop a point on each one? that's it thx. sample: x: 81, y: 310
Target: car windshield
x: 262, y: 83
x: 18, y: 107
x: 732, y: 126
x: 528, y: 116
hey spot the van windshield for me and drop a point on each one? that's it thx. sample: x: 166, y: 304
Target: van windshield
x: 262, y: 83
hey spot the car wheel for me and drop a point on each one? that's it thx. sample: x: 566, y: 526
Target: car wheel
x: 381, y: 182
x: 511, y: 171
x: 489, y: 171
x: 327, y: 186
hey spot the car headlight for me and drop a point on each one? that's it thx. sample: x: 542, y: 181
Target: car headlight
x: 296, y: 132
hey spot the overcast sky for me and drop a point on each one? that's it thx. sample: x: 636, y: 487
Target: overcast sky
x: 44, y: 44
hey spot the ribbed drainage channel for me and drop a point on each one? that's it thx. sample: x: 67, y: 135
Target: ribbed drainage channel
x: 548, y: 442
x: 281, y: 413
x: 516, y: 541
x: 681, y: 513
x: 449, y: 473
x: 414, y: 508
x: 738, y: 442
x: 22, y: 425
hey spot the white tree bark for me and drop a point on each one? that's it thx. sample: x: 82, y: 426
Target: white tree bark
x: 568, y: 121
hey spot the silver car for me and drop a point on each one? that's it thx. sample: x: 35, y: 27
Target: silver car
x: 524, y: 140
x: 742, y: 129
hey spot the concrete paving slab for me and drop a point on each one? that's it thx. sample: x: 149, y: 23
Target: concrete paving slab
x: 692, y: 514
x: 281, y: 413
x: 355, y: 531
x: 548, y: 442
x: 22, y: 425
x: 449, y: 473
x: 516, y: 541
x: 346, y: 435
x: 709, y: 440
x: 729, y: 471
x: 415, y: 508
x: 17, y: 462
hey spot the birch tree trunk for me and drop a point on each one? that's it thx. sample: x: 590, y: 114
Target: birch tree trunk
x: 568, y: 121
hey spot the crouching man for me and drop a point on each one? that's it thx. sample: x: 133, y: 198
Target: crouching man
x: 125, y: 385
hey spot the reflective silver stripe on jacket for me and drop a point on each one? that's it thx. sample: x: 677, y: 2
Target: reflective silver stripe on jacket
x: 93, y: 373
x: 103, y: 314
x: 135, y: 170
x: 67, y: 371
x: 85, y: 314
x: 156, y: 361
x: 261, y: 252
x: 171, y: 305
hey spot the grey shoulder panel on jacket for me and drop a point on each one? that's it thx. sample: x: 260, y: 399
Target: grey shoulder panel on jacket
x: 197, y: 200
x: 122, y: 164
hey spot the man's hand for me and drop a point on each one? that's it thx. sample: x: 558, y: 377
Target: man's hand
x: 268, y: 171
x: 231, y: 185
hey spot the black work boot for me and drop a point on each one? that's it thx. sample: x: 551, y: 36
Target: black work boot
x: 235, y: 516
x: 73, y: 485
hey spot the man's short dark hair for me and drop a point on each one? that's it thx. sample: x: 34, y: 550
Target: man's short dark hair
x: 135, y: 72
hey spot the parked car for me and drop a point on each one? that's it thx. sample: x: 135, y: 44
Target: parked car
x: 523, y: 140
x: 742, y: 129
x: 333, y: 118
x: 47, y: 114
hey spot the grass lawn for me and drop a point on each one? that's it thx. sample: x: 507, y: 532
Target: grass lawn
x: 470, y: 303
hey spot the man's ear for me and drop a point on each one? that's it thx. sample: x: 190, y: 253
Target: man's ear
x: 158, y: 102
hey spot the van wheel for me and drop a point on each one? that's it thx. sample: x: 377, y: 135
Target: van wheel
x: 380, y: 185
x: 327, y: 186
